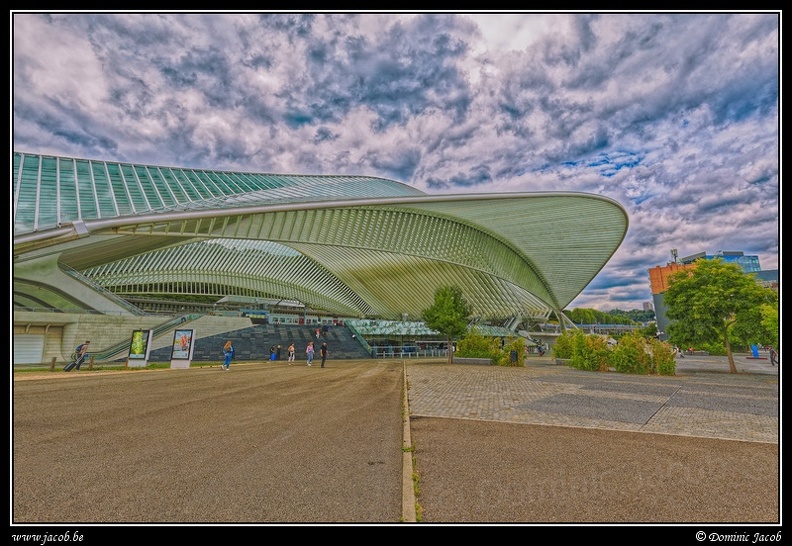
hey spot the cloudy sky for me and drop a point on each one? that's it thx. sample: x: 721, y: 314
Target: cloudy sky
x: 673, y: 115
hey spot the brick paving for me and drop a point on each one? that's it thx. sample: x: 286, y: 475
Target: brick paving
x: 714, y: 405
x: 547, y: 444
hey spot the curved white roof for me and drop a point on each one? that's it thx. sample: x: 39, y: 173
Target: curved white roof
x: 352, y: 245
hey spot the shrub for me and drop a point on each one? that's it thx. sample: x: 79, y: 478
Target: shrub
x: 565, y: 344
x: 514, y: 344
x: 663, y: 362
x: 475, y: 345
x: 715, y: 349
x: 631, y: 355
x: 591, y: 353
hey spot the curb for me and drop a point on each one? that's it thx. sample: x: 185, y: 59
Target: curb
x: 408, y: 491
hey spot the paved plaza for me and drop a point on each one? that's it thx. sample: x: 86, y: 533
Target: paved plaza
x: 268, y: 443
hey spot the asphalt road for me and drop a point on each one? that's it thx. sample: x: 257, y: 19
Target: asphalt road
x: 259, y: 443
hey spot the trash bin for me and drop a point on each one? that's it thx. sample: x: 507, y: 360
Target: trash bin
x: 513, y: 356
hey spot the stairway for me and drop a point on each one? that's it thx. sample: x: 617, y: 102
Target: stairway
x: 253, y: 343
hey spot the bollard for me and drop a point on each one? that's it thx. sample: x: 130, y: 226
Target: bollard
x: 90, y: 363
x: 52, y: 364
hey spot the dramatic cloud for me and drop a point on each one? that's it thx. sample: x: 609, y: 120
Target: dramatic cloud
x: 673, y: 115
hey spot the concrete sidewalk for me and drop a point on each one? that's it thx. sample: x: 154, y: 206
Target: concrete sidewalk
x: 744, y: 363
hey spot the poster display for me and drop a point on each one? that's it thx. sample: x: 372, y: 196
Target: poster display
x: 138, y: 348
x: 182, y: 348
x: 182, y: 345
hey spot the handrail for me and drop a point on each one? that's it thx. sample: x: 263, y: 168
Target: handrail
x: 358, y: 337
x: 76, y: 275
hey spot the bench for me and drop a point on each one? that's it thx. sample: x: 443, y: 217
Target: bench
x: 478, y: 361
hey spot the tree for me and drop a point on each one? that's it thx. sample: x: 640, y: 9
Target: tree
x: 707, y: 302
x: 449, y: 315
x: 769, y: 312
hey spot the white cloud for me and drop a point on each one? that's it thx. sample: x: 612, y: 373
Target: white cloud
x: 675, y: 116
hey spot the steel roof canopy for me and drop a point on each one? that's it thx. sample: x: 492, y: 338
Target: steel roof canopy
x: 353, y: 245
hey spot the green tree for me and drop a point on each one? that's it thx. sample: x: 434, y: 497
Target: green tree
x: 449, y: 315
x: 762, y: 328
x: 769, y: 313
x: 704, y: 304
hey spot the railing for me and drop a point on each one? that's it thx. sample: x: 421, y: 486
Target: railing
x: 407, y: 351
x: 102, y: 290
x: 29, y: 309
x: 358, y: 337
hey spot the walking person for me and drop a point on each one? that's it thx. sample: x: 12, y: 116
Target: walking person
x: 310, y: 352
x: 228, y: 354
x: 773, y: 356
x: 323, y: 352
x: 79, y: 357
x: 290, y: 350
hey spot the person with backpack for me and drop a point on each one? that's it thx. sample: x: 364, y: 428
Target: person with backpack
x: 228, y: 354
x: 79, y: 357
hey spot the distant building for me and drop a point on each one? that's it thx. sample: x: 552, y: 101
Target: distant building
x: 768, y: 278
x: 658, y: 278
x: 647, y: 306
x: 749, y: 264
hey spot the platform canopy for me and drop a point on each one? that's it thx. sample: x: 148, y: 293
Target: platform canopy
x: 356, y: 246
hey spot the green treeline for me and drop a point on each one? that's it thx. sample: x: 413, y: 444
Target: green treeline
x: 614, y: 316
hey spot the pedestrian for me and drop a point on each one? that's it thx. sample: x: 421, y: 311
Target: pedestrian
x: 310, y: 352
x: 317, y: 333
x: 773, y: 357
x: 228, y: 354
x: 325, y: 329
x: 323, y: 351
x: 79, y: 356
x: 290, y: 350
x: 272, y: 352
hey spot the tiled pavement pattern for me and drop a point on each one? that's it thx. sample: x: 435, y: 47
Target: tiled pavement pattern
x: 741, y: 406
